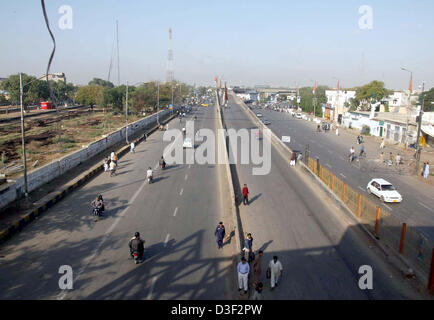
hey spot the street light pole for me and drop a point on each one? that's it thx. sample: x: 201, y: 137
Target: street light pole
x: 419, y: 125
x: 172, y: 95
x: 26, y: 190
x: 158, y: 102
x: 409, y: 105
x: 126, y: 115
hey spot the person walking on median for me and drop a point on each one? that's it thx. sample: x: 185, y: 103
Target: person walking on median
x: 276, y: 271
x: 220, y: 234
x: 132, y: 146
x: 257, y: 267
x: 257, y: 295
x: 293, y: 158
x: 243, y: 269
x: 245, y: 195
x: 248, y: 244
x: 112, y: 156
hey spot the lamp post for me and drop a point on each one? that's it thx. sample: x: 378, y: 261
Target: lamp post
x: 23, y: 142
x: 419, y: 125
x: 409, y: 104
x: 158, y: 102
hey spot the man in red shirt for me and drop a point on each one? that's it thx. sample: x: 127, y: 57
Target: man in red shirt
x: 245, y: 195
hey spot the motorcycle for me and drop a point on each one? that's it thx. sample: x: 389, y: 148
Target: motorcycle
x: 96, y: 212
x: 136, y: 256
x: 149, y: 179
x: 163, y: 165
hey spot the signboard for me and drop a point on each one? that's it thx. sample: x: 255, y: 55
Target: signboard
x: 286, y: 139
x: 381, y: 123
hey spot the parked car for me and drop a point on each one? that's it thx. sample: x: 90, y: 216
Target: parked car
x: 188, y: 143
x: 384, y: 190
x: 325, y: 126
x: 266, y: 122
x: 259, y: 115
x: 298, y: 116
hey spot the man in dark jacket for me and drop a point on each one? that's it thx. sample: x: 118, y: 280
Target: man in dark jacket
x: 248, y: 244
x: 245, y: 195
x: 137, y: 244
x: 220, y: 233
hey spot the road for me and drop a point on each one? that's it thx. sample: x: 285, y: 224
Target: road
x: 417, y: 207
x: 321, y: 254
x: 176, y: 215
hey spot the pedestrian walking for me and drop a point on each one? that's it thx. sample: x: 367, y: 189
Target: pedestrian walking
x: 220, y: 234
x: 243, y: 269
x: 257, y: 267
x: 248, y: 244
x: 115, y: 159
x: 390, y: 158
x: 257, y: 295
x: 382, y: 144
x: 276, y: 271
x: 337, y: 131
x: 398, y: 159
x: 245, y: 195
x: 132, y: 146
x: 112, y: 155
x: 106, y: 164
x: 426, y: 170
x: 144, y: 136
x: 293, y: 158
x: 112, y: 168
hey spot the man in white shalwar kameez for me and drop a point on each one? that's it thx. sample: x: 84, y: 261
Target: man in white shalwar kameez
x: 276, y: 271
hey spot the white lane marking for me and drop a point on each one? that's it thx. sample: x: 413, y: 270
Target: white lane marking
x: 327, y: 165
x: 149, y: 297
x: 342, y: 158
x: 423, y: 205
x: 186, y: 177
x: 105, y: 237
x: 176, y: 210
x: 156, y: 166
x: 167, y: 239
x: 361, y: 188
x: 189, y: 166
x: 387, y: 207
x: 182, y: 190
x: 342, y: 175
x: 329, y: 151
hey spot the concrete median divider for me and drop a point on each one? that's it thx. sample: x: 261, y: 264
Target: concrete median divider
x: 383, y: 228
x: 52, y: 198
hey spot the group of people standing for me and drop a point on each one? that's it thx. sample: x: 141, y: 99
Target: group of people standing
x: 111, y: 163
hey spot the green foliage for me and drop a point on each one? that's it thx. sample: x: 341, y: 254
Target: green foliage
x: 373, y: 91
x: 101, y: 82
x: 91, y: 94
x: 307, y: 99
x: 429, y: 101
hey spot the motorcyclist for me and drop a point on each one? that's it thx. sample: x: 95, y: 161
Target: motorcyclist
x: 98, y: 204
x: 137, y: 244
x: 149, y: 174
x: 162, y: 162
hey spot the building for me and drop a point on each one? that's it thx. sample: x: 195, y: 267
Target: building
x: 55, y: 77
x: 337, y: 101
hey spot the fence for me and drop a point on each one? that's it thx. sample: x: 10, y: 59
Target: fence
x: 408, y: 241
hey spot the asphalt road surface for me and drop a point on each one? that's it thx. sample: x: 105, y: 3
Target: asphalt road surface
x: 417, y: 207
x: 321, y: 254
x: 176, y: 216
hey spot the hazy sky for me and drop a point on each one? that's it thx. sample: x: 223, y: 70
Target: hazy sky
x: 244, y: 41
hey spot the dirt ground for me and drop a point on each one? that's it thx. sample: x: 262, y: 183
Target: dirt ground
x: 75, y: 129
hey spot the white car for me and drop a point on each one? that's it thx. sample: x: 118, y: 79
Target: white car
x: 384, y: 190
x: 187, y: 143
x: 298, y: 116
x: 259, y: 115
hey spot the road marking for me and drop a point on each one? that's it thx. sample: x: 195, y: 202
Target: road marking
x: 327, y: 165
x: 342, y: 175
x: 182, y: 190
x: 186, y: 177
x: 105, y: 237
x: 423, y: 205
x: 361, y: 188
x: 156, y: 166
x: 329, y: 151
x: 176, y: 210
x: 189, y: 166
x: 167, y: 239
x: 149, y: 297
x: 387, y: 207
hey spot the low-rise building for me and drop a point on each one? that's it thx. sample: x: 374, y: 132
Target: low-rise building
x: 338, y: 101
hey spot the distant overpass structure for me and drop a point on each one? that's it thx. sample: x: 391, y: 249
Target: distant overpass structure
x: 264, y: 92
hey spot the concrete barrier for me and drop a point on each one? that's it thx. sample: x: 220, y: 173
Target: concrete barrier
x: 50, y: 171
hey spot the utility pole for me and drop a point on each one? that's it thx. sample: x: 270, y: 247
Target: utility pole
x: 126, y: 115
x: 158, y: 102
x: 26, y: 190
x: 172, y: 96
x: 117, y: 40
x: 409, y: 102
x: 419, y: 125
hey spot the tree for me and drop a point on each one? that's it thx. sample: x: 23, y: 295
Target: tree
x: 307, y: 99
x: 90, y: 95
x: 374, y: 90
x: 101, y: 82
x: 34, y: 90
x: 429, y: 100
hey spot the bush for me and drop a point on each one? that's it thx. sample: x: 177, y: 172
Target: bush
x: 366, y: 130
